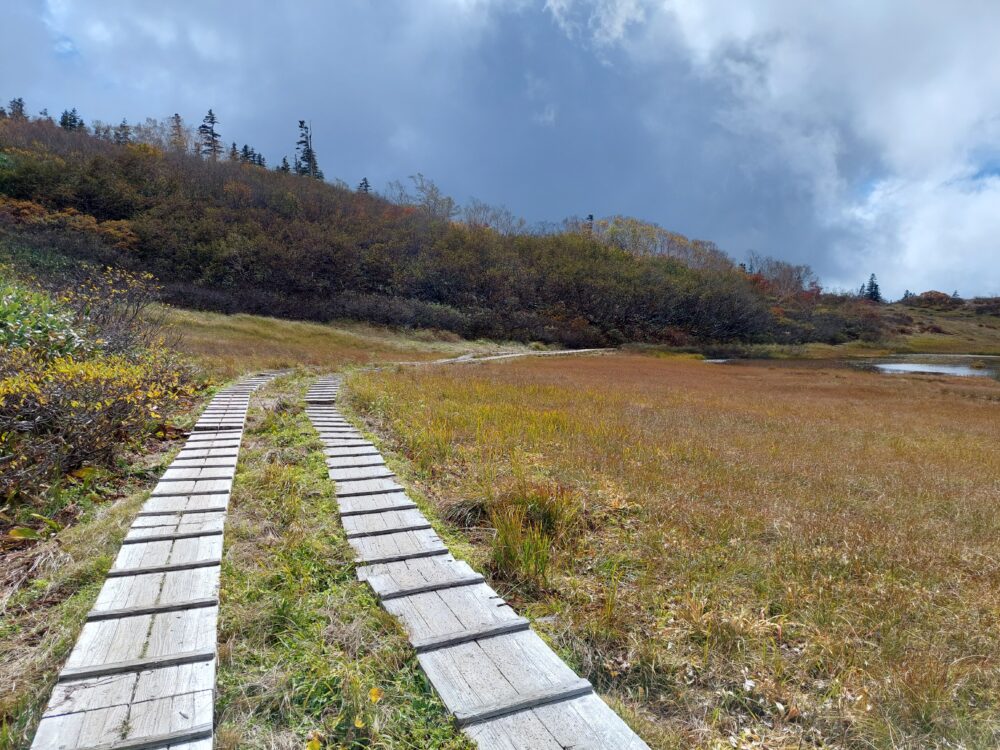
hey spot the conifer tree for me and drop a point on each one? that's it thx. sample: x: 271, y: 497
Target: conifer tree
x: 70, y: 120
x: 364, y: 186
x: 178, y: 137
x: 305, y: 160
x: 234, y: 153
x: 284, y: 166
x: 16, y: 109
x: 209, y: 141
x: 871, y: 290
x: 123, y: 133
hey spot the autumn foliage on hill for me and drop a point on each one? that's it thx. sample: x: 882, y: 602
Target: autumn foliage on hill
x: 237, y: 237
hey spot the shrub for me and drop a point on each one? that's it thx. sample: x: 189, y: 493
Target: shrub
x: 83, y: 375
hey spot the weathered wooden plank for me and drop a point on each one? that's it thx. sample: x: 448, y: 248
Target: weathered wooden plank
x: 423, y: 645
x: 202, y: 439
x: 196, y: 487
x: 134, y: 665
x: 121, y: 689
x: 221, y: 453
x: 169, y: 552
x: 204, y: 462
x: 185, y: 503
x: 111, y: 646
x: 347, y: 443
x: 346, y: 462
x: 151, y: 609
x: 366, y: 449
x: 496, y: 676
x: 163, y: 588
x: 368, y: 524
x: 584, y: 722
x: 154, y: 536
x: 407, y: 577
x: 174, y: 473
x: 118, y: 572
x: 209, y: 509
x: 159, y: 723
x: 456, y: 615
x: 232, y: 443
x: 367, y: 487
x: 189, y: 630
x: 401, y: 545
x: 193, y: 524
x: 360, y: 472
x: 178, y: 520
x: 352, y: 506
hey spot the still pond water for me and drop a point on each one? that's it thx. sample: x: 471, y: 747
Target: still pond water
x: 955, y: 365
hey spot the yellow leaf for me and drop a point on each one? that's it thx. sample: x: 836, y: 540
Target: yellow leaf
x: 375, y: 694
x: 359, y: 722
x: 313, y: 743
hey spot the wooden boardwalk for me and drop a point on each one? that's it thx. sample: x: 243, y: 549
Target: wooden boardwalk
x: 506, y: 688
x: 142, y: 673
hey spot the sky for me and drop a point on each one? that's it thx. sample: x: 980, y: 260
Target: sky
x: 858, y: 137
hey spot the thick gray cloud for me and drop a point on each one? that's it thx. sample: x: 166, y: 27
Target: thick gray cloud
x: 858, y: 138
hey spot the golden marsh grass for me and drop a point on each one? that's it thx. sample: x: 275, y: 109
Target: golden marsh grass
x: 749, y: 556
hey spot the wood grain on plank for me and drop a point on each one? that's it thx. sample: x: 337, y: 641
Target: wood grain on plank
x: 382, y: 523
x: 407, y: 577
x: 352, y: 506
x: 397, y: 546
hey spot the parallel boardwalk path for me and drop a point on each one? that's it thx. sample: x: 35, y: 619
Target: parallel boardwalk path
x: 506, y: 688
x: 142, y: 673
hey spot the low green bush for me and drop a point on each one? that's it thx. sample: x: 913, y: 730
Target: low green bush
x: 83, y: 376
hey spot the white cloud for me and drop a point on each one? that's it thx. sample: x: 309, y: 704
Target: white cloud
x: 913, y: 92
x: 547, y: 116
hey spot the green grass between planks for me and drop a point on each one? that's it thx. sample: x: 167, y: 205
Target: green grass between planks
x: 306, y: 651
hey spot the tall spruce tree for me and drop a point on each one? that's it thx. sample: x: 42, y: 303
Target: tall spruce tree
x: 872, y: 291
x: 234, y: 153
x: 284, y: 166
x: 209, y: 140
x: 305, y: 158
x: 364, y: 186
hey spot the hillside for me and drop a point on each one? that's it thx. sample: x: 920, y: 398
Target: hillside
x: 235, y: 237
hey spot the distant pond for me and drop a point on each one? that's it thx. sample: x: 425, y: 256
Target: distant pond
x: 958, y: 365
x: 954, y: 365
